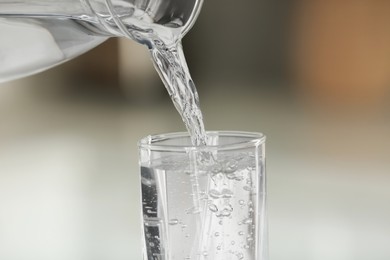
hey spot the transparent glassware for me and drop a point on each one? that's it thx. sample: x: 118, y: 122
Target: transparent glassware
x: 39, y: 34
x: 204, y: 202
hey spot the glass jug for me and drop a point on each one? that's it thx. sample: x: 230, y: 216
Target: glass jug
x: 39, y: 34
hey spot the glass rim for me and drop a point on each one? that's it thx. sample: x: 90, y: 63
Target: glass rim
x: 149, y: 142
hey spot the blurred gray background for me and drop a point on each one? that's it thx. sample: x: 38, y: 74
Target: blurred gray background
x: 314, y: 76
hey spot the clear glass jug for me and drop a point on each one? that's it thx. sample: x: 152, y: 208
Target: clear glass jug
x: 39, y: 34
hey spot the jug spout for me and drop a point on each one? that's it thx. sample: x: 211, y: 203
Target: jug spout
x: 39, y: 34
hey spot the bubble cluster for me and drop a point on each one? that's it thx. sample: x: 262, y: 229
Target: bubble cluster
x: 219, y: 206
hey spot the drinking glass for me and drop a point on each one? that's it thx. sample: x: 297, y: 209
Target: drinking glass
x: 204, y: 202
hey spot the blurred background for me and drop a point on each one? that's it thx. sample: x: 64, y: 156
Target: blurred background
x: 314, y: 76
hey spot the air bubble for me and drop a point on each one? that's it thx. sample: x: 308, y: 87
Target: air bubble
x: 203, y: 196
x: 228, y: 207
x: 173, y: 222
x: 216, y: 169
x: 232, y: 163
x: 247, y: 188
x: 153, y: 223
x: 195, y: 185
x: 214, y: 194
x: 231, y: 166
x: 224, y: 213
x: 239, y: 178
x: 240, y: 156
x: 147, y: 182
x: 228, y: 170
x: 247, y: 221
x: 193, y: 210
x: 226, y: 194
x: 213, y: 208
x: 231, y: 176
x: 218, y: 177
